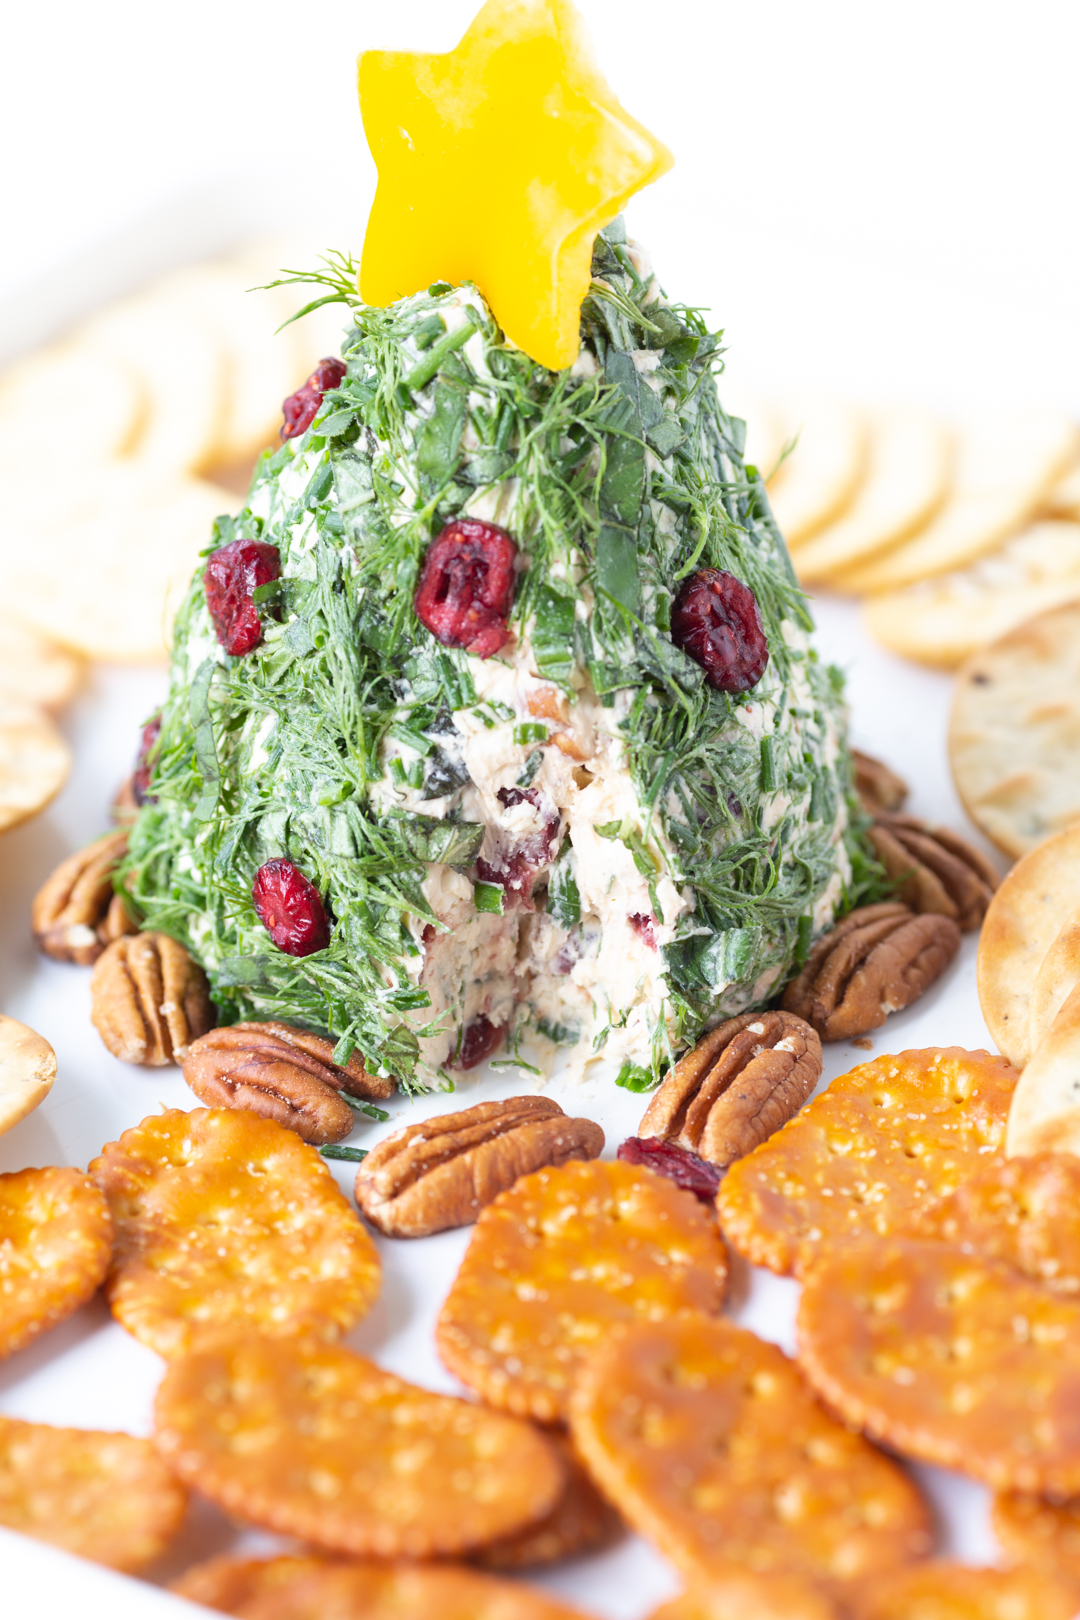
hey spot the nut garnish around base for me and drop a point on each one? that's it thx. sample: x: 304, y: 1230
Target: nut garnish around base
x: 283, y: 1073
x: 878, y: 960
x: 740, y: 1083
x: 878, y: 787
x: 940, y: 871
x: 442, y: 1172
x: 149, y: 1000
x: 76, y: 912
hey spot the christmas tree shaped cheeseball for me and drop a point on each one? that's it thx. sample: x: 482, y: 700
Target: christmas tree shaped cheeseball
x: 494, y: 714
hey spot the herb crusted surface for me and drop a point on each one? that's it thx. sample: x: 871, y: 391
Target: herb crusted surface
x: 338, y: 741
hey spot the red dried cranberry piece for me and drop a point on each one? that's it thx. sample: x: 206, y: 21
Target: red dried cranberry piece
x: 715, y: 620
x: 644, y: 923
x: 300, y: 409
x: 232, y: 575
x: 478, y: 1042
x: 515, y: 866
x: 290, y: 909
x: 467, y: 585
x: 140, y: 782
x: 681, y: 1166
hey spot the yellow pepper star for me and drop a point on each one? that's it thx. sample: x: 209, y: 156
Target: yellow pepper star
x: 498, y: 163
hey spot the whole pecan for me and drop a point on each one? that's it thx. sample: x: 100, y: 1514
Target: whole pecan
x: 740, y: 1083
x: 443, y: 1171
x: 878, y: 787
x: 878, y: 960
x: 941, y: 871
x: 149, y: 1000
x: 76, y: 913
x: 283, y: 1073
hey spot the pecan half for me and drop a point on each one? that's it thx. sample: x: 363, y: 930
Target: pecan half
x: 283, y: 1073
x: 878, y: 960
x: 443, y: 1171
x: 740, y: 1083
x: 878, y: 787
x: 149, y: 1000
x: 76, y: 913
x: 942, y: 872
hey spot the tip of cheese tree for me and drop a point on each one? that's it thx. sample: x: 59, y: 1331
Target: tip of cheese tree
x: 498, y: 163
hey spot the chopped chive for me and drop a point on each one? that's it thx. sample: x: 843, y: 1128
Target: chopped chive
x: 334, y: 1150
x: 358, y: 1106
x: 488, y: 897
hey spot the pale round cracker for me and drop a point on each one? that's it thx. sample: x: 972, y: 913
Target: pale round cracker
x: 105, y: 572
x: 27, y: 1071
x: 34, y: 669
x: 1014, y: 732
x: 1055, y: 981
x: 176, y: 354
x: 1045, y: 1112
x: 90, y: 402
x: 107, y: 1497
x: 1063, y: 500
x: 907, y: 480
x: 260, y: 364
x: 766, y: 427
x: 1024, y: 918
x: 943, y: 621
x: 1006, y: 466
x: 34, y: 761
x: 314, y: 337
x: 827, y: 465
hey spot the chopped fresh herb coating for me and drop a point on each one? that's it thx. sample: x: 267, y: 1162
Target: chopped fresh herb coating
x: 577, y: 836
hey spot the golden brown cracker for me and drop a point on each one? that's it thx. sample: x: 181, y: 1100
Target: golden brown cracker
x: 227, y: 1220
x: 323, y: 1589
x: 951, y: 1358
x: 108, y: 1497
x: 581, y: 1521
x: 1026, y: 915
x: 556, y: 1261
x: 712, y: 1447
x: 742, y: 1594
x: 1023, y: 1211
x: 307, y: 1439
x: 55, y: 1244
x: 866, y: 1155
x: 943, y: 1590
x: 1035, y: 1531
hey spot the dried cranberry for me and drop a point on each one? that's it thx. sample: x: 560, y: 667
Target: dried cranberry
x: 715, y: 620
x: 290, y: 909
x: 478, y: 1042
x: 140, y: 782
x: 681, y: 1166
x: 467, y: 585
x: 515, y: 866
x: 300, y: 409
x: 644, y: 923
x: 232, y: 575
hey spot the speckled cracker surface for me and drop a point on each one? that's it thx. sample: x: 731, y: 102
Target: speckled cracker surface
x: 560, y: 1258
x: 317, y: 1589
x: 55, y: 1244
x: 866, y: 1155
x: 581, y: 1521
x: 1035, y: 1531
x: 108, y: 1497
x: 711, y: 1445
x: 739, y: 1594
x: 227, y: 1220
x: 1024, y: 1211
x: 948, y: 1591
x: 307, y: 1439
x: 948, y: 1357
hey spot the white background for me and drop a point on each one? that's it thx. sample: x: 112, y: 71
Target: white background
x: 873, y: 198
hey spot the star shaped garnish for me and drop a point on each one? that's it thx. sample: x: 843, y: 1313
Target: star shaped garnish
x: 498, y: 163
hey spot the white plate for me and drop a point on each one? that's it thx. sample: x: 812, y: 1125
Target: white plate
x: 89, y: 1372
